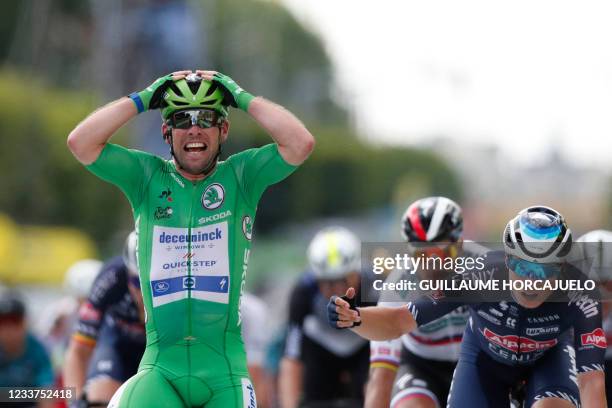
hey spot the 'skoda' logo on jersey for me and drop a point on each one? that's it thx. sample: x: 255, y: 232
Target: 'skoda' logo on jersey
x: 213, y: 196
x: 247, y: 227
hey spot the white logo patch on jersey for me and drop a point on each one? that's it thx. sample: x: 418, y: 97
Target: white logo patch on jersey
x: 192, y: 264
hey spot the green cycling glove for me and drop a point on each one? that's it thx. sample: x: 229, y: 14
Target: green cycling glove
x: 152, y: 95
x: 234, y: 95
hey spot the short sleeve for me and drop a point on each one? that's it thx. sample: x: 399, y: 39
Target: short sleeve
x: 130, y: 170
x: 589, y: 337
x: 257, y: 169
x: 105, y: 291
x: 299, y: 308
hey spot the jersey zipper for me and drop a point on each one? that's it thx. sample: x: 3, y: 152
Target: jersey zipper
x: 189, y: 275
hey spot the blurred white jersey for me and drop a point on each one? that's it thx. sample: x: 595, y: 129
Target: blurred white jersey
x: 255, y: 331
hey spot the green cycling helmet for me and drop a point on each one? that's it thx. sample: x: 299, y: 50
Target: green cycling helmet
x: 193, y: 93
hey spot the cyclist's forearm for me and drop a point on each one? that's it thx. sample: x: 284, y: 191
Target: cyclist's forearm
x: 592, y: 387
x: 295, y: 143
x: 88, y: 138
x: 384, y: 323
x: 378, y: 388
x: 290, y: 383
x: 75, y: 365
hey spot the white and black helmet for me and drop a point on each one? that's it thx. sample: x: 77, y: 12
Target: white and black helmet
x: 432, y: 219
x: 334, y: 253
x: 597, y: 246
x: 79, y: 278
x: 130, y: 253
x: 538, y: 234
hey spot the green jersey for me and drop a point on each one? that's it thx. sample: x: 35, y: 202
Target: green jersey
x: 193, y: 249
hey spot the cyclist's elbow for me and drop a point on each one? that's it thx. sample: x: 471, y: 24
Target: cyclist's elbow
x: 405, y: 323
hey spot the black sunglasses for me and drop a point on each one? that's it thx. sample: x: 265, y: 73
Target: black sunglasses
x: 199, y: 117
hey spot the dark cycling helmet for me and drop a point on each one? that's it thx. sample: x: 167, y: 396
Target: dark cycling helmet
x: 538, y: 234
x: 11, y: 303
x: 193, y: 93
x: 432, y: 219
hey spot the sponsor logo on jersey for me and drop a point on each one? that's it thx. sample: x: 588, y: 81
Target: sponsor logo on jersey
x: 188, y: 282
x: 214, y: 217
x: 163, y: 212
x: 178, y: 180
x: 248, y: 394
x: 161, y: 287
x: 190, y: 263
x: 185, y: 264
x: 586, y: 304
x: 572, y: 369
x: 488, y: 317
x: 517, y: 344
x: 495, y: 312
x: 595, y: 338
x: 213, y: 196
x: 195, y: 236
x: 543, y: 319
x: 245, y: 265
x: 166, y: 195
x: 536, y: 331
x: 511, y: 323
x: 247, y: 227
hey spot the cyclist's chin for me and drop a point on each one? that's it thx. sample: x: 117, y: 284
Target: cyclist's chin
x: 530, y: 300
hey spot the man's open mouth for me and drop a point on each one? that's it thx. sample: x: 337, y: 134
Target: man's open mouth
x: 195, y: 147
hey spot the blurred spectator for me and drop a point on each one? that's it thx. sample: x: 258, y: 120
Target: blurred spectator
x: 23, y: 359
x: 58, y: 320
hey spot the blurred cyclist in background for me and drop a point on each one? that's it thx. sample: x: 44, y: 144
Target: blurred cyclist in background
x: 417, y: 370
x: 109, y: 340
x: 322, y: 365
x: 23, y: 359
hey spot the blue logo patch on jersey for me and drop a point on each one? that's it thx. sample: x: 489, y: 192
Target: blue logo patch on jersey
x: 161, y: 287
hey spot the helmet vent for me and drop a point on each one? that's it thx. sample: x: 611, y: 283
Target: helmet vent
x: 194, y: 86
x: 211, y: 89
x: 175, y: 89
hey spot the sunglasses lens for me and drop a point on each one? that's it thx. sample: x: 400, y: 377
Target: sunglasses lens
x: 181, y: 120
x: 533, y: 270
x: 203, y: 118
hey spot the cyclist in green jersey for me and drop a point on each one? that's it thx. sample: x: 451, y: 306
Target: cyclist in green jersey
x: 194, y: 218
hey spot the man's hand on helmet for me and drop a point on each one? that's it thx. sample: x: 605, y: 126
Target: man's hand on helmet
x: 151, y: 97
x: 234, y: 95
